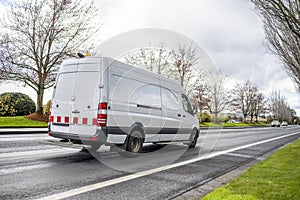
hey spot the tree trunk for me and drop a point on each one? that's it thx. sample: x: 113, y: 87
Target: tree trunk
x: 39, y: 102
x: 216, y: 118
x: 200, y: 114
x: 245, y: 118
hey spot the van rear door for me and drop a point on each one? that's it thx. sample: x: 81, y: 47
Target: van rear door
x: 85, y: 101
x: 61, y: 102
x: 75, y: 99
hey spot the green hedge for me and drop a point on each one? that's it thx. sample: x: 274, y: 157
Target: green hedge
x: 16, y: 104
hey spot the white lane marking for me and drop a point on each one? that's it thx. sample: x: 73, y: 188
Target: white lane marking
x: 22, y: 139
x: 38, y: 152
x: 25, y: 168
x: 96, y: 186
x: 24, y: 130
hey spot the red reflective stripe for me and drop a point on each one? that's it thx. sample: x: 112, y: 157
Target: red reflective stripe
x: 67, y: 119
x: 94, y: 121
x: 58, y: 119
x: 75, y: 120
x: 84, y: 120
x: 51, y: 118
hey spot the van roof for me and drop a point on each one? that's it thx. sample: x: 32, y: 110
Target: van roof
x: 166, y: 82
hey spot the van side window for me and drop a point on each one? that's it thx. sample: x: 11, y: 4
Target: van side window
x: 127, y: 90
x: 147, y: 95
x: 186, y: 104
x: 169, y: 99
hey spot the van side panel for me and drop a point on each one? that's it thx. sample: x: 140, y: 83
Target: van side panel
x: 134, y: 98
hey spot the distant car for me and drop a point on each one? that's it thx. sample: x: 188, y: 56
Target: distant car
x: 275, y: 123
x: 284, y: 123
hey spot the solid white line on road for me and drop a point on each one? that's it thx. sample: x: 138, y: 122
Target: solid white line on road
x: 22, y: 139
x: 100, y: 185
x: 23, y: 168
x: 22, y: 130
x: 38, y: 152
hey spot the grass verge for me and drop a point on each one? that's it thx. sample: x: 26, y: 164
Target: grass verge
x: 20, y: 121
x: 211, y: 124
x: 278, y: 177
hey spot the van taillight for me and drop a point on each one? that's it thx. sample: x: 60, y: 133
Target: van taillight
x: 51, y: 118
x: 102, y: 114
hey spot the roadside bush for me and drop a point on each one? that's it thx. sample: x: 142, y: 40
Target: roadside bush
x: 205, y: 117
x: 16, y: 104
x: 47, y: 108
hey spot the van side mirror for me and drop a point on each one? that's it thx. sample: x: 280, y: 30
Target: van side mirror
x: 195, y: 110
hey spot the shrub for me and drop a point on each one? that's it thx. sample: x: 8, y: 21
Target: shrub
x: 205, y: 117
x: 47, y: 108
x: 16, y: 104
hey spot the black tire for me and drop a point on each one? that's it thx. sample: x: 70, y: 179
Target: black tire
x: 193, y: 139
x: 135, y: 142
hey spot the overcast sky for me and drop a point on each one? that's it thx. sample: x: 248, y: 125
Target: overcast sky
x: 229, y: 31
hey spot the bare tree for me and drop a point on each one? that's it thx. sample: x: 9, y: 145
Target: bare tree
x: 184, y: 68
x: 179, y: 64
x: 200, y: 96
x: 218, y: 99
x: 157, y: 60
x: 243, y: 98
x: 282, y: 28
x: 39, y: 34
x: 279, y: 107
x: 257, y: 106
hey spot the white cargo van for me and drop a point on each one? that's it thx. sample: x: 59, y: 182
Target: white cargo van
x: 98, y: 100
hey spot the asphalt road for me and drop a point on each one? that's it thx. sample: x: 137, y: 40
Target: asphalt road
x: 30, y: 169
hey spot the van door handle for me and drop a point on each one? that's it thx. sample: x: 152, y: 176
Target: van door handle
x: 76, y: 111
x: 183, y: 116
x: 179, y: 115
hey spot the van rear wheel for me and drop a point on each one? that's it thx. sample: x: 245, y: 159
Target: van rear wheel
x: 193, y: 139
x: 135, y: 142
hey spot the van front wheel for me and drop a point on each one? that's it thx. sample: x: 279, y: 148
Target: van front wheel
x: 135, y: 142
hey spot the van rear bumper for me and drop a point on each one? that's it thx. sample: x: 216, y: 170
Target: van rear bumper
x: 99, y: 137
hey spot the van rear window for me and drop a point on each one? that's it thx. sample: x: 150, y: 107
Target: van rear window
x: 82, y: 86
x: 64, y: 86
